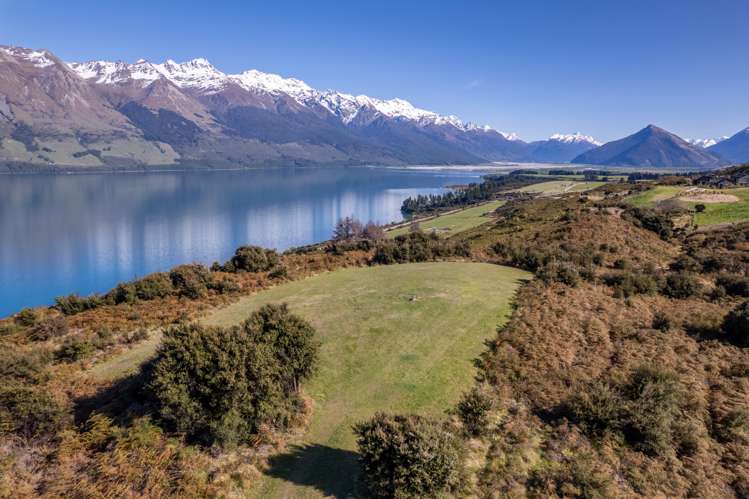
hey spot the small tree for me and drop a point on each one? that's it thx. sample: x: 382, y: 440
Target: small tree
x: 408, y: 456
x: 347, y: 228
x: 473, y: 410
x: 191, y: 280
x: 682, y: 285
x: 699, y: 208
x: 253, y: 259
x: 223, y: 384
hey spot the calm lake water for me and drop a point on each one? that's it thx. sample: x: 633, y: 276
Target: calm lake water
x: 85, y: 233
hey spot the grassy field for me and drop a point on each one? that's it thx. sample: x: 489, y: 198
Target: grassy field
x: 560, y: 187
x: 394, y: 338
x: 715, y: 213
x: 455, y: 222
x: 658, y: 193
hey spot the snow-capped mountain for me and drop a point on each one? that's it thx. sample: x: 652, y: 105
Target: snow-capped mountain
x: 705, y: 143
x: 115, y: 113
x: 575, y: 138
x: 201, y: 77
x: 561, y: 148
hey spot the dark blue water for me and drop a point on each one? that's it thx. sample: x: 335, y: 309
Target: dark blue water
x: 85, y: 233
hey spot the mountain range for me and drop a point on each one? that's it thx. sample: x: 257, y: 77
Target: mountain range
x: 123, y: 115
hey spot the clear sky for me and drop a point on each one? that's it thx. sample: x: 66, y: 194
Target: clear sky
x: 601, y: 67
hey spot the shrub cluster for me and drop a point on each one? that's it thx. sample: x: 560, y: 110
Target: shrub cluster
x: 408, y: 456
x: 648, y: 410
x: 564, y: 272
x: 734, y: 285
x: 651, y: 220
x: 250, y: 259
x: 192, y: 281
x: 29, y: 412
x: 681, y: 285
x: 417, y: 247
x: 630, y: 283
x: 222, y: 385
x: 473, y: 410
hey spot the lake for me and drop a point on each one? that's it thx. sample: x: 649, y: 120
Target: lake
x: 62, y: 234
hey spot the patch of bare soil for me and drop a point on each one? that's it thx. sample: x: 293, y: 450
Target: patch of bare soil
x: 710, y: 198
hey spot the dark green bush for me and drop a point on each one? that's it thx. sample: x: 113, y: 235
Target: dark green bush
x: 417, y: 247
x: 656, y: 398
x: 651, y: 220
x: 626, y: 284
x: 221, y: 385
x: 124, y: 293
x: 226, y: 285
x: 734, y: 285
x: 681, y: 285
x: 648, y: 410
x: 736, y: 325
x: 75, y: 350
x: 408, y: 457
x: 686, y: 263
x: 473, y: 410
x: 621, y: 264
x: 29, y: 412
x: 662, y: 322
x: 597, y: 408
x: 575, y: 476
x: 153, y: 286
x: 26, y: 367
x: 74, y: 304
x: 253, y: 259
x: 191, y: 280
x: 563, y: 272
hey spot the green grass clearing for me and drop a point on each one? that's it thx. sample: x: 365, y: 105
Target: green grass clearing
x: 719, y: 213
x: 454, y: 223
x: 715, y: 213
x: 560, y: 187
x: 649, y: 198
x: 127, y: 362
x: 394, y: 338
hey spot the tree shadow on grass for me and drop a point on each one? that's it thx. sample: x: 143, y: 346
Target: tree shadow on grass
x: 333, y: 472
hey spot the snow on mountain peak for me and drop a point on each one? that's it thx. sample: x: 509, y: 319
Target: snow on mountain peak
x: 574, y: 138
x: 200, y: 75
x: 39, y: 58
x: 705, y: 143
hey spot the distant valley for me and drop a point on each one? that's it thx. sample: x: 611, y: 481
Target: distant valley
x: 116, y: 115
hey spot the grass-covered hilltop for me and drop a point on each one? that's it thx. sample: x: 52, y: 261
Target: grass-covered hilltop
x: 541, y: 334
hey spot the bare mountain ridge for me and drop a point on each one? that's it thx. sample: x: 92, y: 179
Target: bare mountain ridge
x: 651, y: 146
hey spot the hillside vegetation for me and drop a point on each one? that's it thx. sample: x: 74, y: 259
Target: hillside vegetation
x: 622, y: 370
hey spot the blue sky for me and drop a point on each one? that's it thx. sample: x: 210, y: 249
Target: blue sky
x: 604, y: 67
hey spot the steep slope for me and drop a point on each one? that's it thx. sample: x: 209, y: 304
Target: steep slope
x: 734, y: 148
x: 49, y: 115
x: 561, y: 148
x: 651, y: 146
